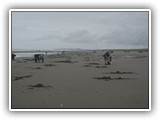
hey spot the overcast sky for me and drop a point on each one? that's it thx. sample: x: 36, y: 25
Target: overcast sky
x: 85, y: 30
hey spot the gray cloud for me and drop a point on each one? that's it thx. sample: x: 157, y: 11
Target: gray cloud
x: 91, y: 30
x: 81, y: 36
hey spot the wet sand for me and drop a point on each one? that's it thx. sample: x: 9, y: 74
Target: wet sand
x: 81, y: 80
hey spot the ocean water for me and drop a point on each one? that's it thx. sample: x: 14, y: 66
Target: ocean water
x: 18, y: 55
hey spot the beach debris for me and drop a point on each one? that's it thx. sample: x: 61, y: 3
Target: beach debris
x: 28, y: 59
x: 94, y: 63
x: 21, y: 61
x: 21, y: 77
x: 38, y: 86
x: 38, y: 68
x: 65, y: 61
x: 144, y: 56
x: 101, y: 67
x: 118, y: 72
x: 109, y: 78
x: 103, y: 78
x: 90, y: 64
x: 34, y: 67
x: 49, y: 65
x: 86, y: 60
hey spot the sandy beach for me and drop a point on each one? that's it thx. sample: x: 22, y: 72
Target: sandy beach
x: 81, y: 80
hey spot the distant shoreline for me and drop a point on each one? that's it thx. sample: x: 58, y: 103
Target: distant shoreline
x: 49, y: 51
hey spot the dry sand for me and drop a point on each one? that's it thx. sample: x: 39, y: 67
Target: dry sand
x: 81, y: 80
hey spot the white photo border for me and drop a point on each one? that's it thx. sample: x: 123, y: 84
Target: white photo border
x: 81, y: 10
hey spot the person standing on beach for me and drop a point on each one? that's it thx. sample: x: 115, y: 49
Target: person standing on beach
x: 13, y: 56
x: 107, y: 58
x: 38, y: 57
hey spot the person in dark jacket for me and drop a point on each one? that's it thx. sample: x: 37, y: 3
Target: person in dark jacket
x: 38, y: 57
x: 13, y: 56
